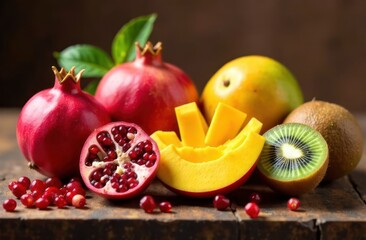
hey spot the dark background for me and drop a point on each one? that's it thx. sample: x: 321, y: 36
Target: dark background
x: 322, y: 42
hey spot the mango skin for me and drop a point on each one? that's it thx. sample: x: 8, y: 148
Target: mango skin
x: 257, y: 85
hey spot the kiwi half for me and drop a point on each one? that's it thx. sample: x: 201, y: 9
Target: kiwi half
x: 294, y: 158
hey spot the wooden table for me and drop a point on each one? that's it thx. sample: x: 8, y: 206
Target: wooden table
x: 333, y: 211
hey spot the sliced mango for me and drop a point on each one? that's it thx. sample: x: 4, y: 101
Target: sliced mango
x: 204, y: 178
x: 192, y: 125
x: 254, y: 125
x: 199, y: 154
x: 225, y: 125
x: 165, y: 138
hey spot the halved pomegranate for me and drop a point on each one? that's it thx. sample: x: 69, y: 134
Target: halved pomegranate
x: 119, y: 160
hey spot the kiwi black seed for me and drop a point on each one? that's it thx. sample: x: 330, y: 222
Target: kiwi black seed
x: 294, y: 158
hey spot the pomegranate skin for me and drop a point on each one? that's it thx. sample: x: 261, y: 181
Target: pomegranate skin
x: 146, y: 91
x: 54, y: 124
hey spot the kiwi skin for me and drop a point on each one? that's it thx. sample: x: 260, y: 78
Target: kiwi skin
x: 340, y: 130
x: 300, y: 186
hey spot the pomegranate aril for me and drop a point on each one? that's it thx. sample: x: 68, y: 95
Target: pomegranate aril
x: 9, y: 205
x: 112, y: 154
x: 147, y: 203
x: 25, y: 181
x: 42, y: 203
x: 293, y: 204
x: 72, y: 185
x: 221, y: 202
x: 94, y: 150
x: 11, y: 185
x: 252, y: 210
x: 122, y: 188
x: 27, y: 200
x: 126, y: 146
x: 18, y: 190
x: 148, y: 147
x: 107, y: 171
x: 37, y: 194
x: 106, y: 141
x: 78, y: 201
x: 79, y: 190
x: 132, y: 130
x: 60, y: 201
x: 165, y: 207
x: 255, y: 197
x: 152, y: 157
x: 132, y: 183
x: 69, y: 197
x: 37, y: 185
x: 53, y: 182
x: 117, y: 137
x: 114, y: 185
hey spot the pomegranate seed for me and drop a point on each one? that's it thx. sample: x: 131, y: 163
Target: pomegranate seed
x: 252, y: 210
x: 27, y: 200
x: 147, y: 203
x: 9, y: 205
x: 165, y: 207
x: 69, y: 197
x: 112, y: 154
x: 60, y: 201
x: 75, y: 179
x: 37, y: 185
x: 94, y: 149
x: 25, y: 181
x: 53, y: 182
x: 221, y: 202
x: 293, y: 204
x: 78, y: 201
x: 63, y: 191
x: 79, y: 190
x: 11, y: 185
x: 18, y: 190
x: 42, y: 203
x: 255, y: 197
x: 71, y: 185
x: 36, y: 194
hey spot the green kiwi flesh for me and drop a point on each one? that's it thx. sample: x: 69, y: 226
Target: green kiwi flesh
x: 294, y: 158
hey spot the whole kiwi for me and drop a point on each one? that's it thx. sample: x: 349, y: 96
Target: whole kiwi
x: 339, y: 128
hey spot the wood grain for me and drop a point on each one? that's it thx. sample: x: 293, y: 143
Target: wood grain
x: 335, y: 210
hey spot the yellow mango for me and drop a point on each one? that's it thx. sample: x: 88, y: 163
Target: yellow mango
x: 204, y: 179
x: 225, y: 125
x: 192, y: 125
x: 165, y: 138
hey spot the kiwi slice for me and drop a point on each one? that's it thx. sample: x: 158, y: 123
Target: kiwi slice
x: 294, y: 158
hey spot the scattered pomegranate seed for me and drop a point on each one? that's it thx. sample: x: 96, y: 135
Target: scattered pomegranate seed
x: 37, y: 185
x: 60, y: 201
x: 25, y: 181
x: 36, y: 194
x: 27, y: 200
x: 78, y: 201
x: 221, y: 202
x: 165, y: 207
x: 53, y: 182
x: 293, y: 204
x: 148, y: 204
x: 255, y: 197
x: 11, y: 185
x: 252, y: 210
x: 42, y: 203
x: 69, y: 196
x: 18, y: 190
x: 9, y: 205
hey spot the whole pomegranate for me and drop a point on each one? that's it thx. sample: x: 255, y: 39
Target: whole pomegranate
x: 146, y: 91
x: 119, y: 160
x: 54, y: 124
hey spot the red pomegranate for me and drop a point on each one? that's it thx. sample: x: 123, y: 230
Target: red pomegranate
x: 146, y: 91
x: 119, y: 160
x: 54, y: 124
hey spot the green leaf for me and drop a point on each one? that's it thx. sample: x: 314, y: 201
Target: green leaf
x: 137, y: 30
x: 92, y: 87
x: 94, y: 60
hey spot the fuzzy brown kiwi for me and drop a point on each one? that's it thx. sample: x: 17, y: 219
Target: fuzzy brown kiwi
x: 339, y: 128
x: 294, y: 159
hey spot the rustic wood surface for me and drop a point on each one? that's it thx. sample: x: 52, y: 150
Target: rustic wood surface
x: 335, y: 210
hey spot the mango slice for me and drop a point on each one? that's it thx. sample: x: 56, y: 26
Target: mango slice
x: 207, y: 178
x: 192, y: 125
x: 225, y: 125
x: 165, y: 138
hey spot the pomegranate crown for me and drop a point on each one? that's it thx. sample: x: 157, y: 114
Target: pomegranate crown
x: 154, y: 50
x: 62, y: 75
